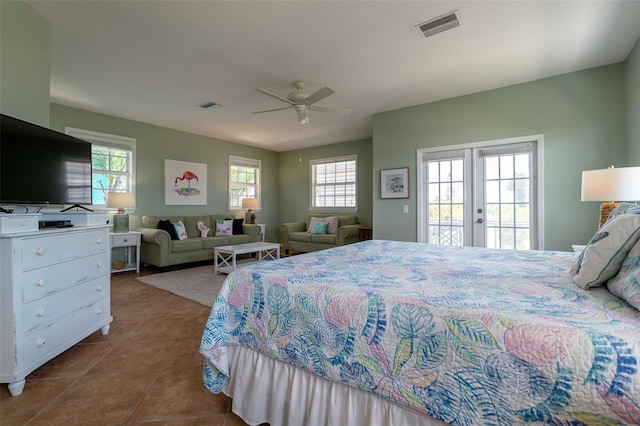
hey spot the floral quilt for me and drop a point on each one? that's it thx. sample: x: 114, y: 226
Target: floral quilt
x: 466, y: 335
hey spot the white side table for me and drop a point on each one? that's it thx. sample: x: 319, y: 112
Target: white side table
x: 263, y: 230
x: 128, y: 241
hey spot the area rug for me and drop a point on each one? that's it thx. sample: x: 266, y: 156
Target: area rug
x: 199, y: 284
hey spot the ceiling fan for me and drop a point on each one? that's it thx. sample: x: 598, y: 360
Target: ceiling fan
x: 302, y: 102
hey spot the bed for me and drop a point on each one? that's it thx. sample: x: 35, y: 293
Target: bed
x: 398, y: 333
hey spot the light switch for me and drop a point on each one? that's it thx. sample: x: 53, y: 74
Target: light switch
x: 405, y: 209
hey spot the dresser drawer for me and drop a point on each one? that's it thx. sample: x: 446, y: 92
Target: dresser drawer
x: 10, y: 223
x: 60, y: 335
x: 42, y: 251
x: 37, y: 283
x: 42, y: 311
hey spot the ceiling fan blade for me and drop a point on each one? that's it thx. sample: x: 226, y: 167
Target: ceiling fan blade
x: 336, y: 110
x: 302, y: 116
x: 271, y: 110
x: 273, y: 95
x: 318, y: 96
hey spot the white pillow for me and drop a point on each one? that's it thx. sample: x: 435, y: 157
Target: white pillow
x: 224, y: 228
x: 180, y: 230
x: 602, y: 257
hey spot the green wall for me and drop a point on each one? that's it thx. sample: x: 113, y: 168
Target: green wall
x: 25, y: 58
x: 582, y: 116
x: 295, y: 179
x: 632, y: 73
x: 154, y: 144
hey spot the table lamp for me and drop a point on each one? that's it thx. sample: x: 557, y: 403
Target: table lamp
x: 249, y: 204
x: 610, y: 185
x: 121, y: 201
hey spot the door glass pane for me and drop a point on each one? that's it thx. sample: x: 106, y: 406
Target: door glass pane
x: 508, y: 202
x: 492, y: 168
x: 446, y: 202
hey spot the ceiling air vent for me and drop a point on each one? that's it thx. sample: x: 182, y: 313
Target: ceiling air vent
x: 438, y: 25
x: 211, y: 106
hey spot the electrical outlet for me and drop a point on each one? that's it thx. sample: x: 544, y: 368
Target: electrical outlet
x: 405, y: 209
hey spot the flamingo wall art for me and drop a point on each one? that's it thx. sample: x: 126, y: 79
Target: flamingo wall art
x: 185, y: 183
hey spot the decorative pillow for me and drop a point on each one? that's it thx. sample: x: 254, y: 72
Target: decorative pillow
x: 237, y: 227
x: 602, y: 257
x: 626, y: 285
x: 180, y: 230
x: 224, y: 228
x: 319, y: 227
x: 166, y: 225
x: 332, y: 228
x: 314, y: 220
x: 623, y: 208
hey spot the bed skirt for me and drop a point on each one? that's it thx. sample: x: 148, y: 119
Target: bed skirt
x: 265, y: 390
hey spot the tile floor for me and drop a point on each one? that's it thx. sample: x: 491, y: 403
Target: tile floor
x: 147, y: 370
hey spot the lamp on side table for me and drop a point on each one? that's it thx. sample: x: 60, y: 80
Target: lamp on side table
x: 121, y: 201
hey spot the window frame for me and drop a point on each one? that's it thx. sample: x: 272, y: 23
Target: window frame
x: 237, y: 161
x: 312, y: 184
x: 109, y: 141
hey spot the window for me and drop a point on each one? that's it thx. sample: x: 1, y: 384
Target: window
x: 112, y: 163
x: 333, y: 183
x: 244, y: 181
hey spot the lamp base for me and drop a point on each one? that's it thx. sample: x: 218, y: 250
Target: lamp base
x: 120, y: 222
x: 249, y: 218
x: 605, y: 209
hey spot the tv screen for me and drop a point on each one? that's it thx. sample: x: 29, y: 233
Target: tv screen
x: 42, y: 166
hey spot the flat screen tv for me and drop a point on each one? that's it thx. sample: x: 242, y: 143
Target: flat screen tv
x: 41, y: 166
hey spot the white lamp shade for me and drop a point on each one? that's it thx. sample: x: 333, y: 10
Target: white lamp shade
x: 613, y: 184
x: 121, y: 200
x: 249, y: 203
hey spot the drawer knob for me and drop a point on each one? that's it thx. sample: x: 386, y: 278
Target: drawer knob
x: 99, y: 264
x: 39, y: 252
x: 40, y: 312
x: 99, y: 241
x: 99, y: 287
x: 40, y: 282
x: 40, y: 343
x: 99, y: 311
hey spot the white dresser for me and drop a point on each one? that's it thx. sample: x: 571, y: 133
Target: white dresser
x: 54, y: 292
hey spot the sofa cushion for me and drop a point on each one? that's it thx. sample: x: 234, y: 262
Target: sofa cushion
x: 183, y: 246
x: 167, y: 226
x: 211, y: 242
x: 239, y: 239
x: 237, y: 227
x: 323, y: 238
x: 313, y: 221
x: 333, y: 222
x: 304, y: 237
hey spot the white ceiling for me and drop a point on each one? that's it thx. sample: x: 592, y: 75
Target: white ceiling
x: 157, y: 61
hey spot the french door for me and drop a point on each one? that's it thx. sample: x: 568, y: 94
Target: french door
x: 483, y: 195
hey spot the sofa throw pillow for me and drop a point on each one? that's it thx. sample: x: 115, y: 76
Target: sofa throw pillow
x: 166, y: 225
x: 224, y: 228
x: 180, y: 230
x: 236, y: 228
x: 626, y: 284
x: 319, y: 227
x: 602, y: 257
x: 314, y: 220
x: 332, y: 226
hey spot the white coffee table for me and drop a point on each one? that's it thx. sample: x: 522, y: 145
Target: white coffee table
x: 224, y: 257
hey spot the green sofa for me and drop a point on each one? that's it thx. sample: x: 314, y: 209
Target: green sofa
x: 158, y: 249
x: 294, y: 235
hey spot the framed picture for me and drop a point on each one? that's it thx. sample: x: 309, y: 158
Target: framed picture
x: 394, y: 183
x: 185, y: 183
